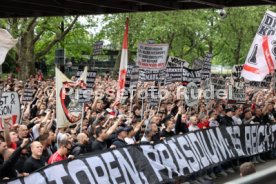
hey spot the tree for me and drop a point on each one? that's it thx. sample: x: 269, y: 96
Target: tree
x: 30, y: 31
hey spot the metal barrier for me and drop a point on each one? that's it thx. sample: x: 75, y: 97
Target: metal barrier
x: 267, y: 176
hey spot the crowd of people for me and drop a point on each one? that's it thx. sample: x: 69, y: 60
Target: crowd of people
x: 37, y: 141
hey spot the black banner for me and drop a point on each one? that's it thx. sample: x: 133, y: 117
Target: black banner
x: 178, y: 156
x: 28, y: 95
x: 206, y: 69
x: 174, y: 73
x: 152, y: 75
x: 189, y: 75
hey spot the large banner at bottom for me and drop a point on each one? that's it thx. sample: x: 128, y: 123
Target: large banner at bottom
x: 178, y: 156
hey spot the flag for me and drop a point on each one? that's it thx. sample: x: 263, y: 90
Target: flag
x: 68, y: 109
x: 261, y: 60
x: 6, y: 43
x: 123, y: 65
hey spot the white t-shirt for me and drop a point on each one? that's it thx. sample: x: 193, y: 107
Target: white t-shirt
x: 193, y: 128
x: 130, y: 140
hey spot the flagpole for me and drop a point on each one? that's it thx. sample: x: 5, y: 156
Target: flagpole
x: 82, y: 117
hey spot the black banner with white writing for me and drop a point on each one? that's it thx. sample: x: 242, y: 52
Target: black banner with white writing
x: 28, y: 95
x: 152, y: 75
x: 178, y: 156
x: 189, y: 75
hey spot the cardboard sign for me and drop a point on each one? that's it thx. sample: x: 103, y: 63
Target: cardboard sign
x: 90, y: 79
x: 174, y: 73
x: 191, y: 95
x: 152, y: 75
x: 236, y: 93
x: 153, y: 96
x: 152, y: 56
x: 98, y: 47
x: 189, y: 75
x: 28, y: 95
x: 236, y: 71
x: 206, y: 69
x: 176, y: 62
x: 9, y: 108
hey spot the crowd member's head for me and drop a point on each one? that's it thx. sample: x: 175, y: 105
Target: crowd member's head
x: 82, y: 138
x: 169, y: 125
x: 229, y: 112
x: 258, y: 112
x: 64, y: 147
x: 122, y: 133
x: 73, y: 133
x: 45, y: 139
x: 100, y: 133
x: 13, y: 136
x: 247, y: 168
x: 3, y: 145
x: 154, y: 127
x: 193, y: 120
x: 156, y: 119
x: 247, y: 114
x: 36, y: 149
x: 22, y: 131
x: 100, y: 105
x: 238, y: 112
x: 148, y: 134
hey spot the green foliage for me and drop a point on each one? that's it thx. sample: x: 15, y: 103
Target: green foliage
x: 193, y: 33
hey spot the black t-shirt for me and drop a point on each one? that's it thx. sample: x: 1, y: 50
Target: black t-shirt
x: 32, y: 164
x: 99, y: 146
x: 119, y: 143
x: 164, y: 133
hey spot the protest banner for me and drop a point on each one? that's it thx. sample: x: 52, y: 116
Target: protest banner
x: 189, y: 75
x: 134, y: 75
x: 151, y: 75
x: 236, y: 93
x: 262, y: 84
x: 90, y: 79
x: 191, y: 95
x: 28, y: 95
x: 261, y: 58
x: 175, y: 73
x: 97, y: 47
x: 9, y: 107
x: 219, y: 86
x: 152, y: 56
x: 174, y: 158
x: 153, y: 96
x: 236, y: 72
x: 176, y: 62
x: 206, y: 69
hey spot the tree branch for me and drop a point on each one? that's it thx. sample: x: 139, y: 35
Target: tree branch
x: 58, y: 38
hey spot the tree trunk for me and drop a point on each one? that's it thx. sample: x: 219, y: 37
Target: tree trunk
x: 26, y: 55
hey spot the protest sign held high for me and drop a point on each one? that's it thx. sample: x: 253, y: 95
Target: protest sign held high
x: 191, y: 95
x: 206, y: 69
x: 176, y: 62
x: 28, y: 95
x: 152, y: 56
x: 9, y: 108
x: 189, y: 75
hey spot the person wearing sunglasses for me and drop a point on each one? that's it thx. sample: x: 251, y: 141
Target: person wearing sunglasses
x: 64, y: 148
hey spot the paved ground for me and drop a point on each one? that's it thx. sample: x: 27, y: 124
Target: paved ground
x: 236, y: 175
